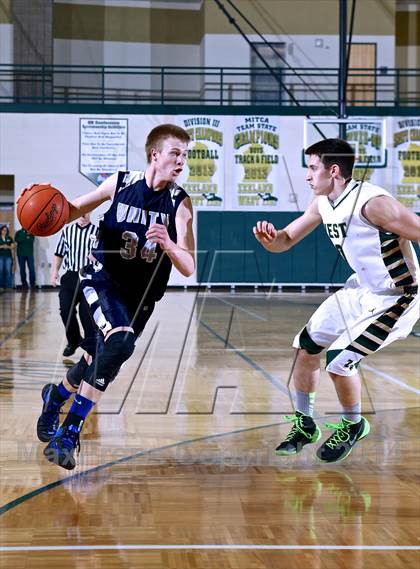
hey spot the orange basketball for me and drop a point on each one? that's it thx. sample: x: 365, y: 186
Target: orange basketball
x: 42, y: 210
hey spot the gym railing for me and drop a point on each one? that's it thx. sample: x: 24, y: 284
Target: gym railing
x: 54, y: 84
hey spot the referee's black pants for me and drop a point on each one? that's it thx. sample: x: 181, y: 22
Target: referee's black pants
x: 70, y: 296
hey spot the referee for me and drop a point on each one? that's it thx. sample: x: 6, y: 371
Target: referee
x: 72, y: 254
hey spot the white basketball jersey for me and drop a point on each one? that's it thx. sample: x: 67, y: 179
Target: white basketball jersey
x: 381, y: 261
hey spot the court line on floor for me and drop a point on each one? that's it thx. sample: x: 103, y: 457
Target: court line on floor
x: 279, y: 386
x: 254, y: 314
x: 62, y: 481
x: 247, y: 359
x: 392, y: 379
x: 201, y: 547
x: 29, y: 495
x: 25, y: 497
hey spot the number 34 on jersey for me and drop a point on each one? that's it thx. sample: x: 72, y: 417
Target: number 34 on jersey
x: 129, y: 251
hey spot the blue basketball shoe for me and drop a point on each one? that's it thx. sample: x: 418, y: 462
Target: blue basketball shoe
x: 60, y: 449
x: 49, y: 419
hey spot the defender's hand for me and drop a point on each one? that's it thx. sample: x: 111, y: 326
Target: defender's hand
x: 265, y: 232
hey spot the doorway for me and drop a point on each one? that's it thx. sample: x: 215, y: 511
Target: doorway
x: 361, y: 84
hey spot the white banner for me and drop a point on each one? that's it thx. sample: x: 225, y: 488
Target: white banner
x: 406, y: 137
x: 103, y: 147
x: 204, y: 172
x: 256, y: 162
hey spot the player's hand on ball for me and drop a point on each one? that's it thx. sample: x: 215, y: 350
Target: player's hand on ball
x: 157, y: 233
x: 27, y: 188
x: 265, y: 232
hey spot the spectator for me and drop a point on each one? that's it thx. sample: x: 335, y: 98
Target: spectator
x: 6, y: 258
x: 25, y: 255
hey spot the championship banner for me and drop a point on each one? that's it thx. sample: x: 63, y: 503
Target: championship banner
x: 406, y: 139
x: 366, y: 136
x: 103, y: 148
x: 367, y: 141
x: 205, y: 166
x: 256, y: 168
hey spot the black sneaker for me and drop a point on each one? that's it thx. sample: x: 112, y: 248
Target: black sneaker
x: 346, y: 434
x: 61, y: 448
x: 304, y: 431
x: 50, y: 417
x: 69, y: 350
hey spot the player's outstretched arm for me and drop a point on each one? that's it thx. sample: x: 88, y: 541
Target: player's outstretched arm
x: 90, y: 201
x: 181, y: 253
x: 389, y: 214
x: 279, y: 240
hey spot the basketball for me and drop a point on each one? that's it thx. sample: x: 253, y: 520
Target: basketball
x: 42, y: 210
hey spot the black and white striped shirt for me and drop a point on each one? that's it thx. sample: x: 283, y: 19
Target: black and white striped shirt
x: 74, y: 246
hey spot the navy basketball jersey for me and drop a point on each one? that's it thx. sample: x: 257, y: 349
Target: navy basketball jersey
x: 121, y: 248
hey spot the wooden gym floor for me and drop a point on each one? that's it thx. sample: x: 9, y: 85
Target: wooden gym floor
x: 177, y: 468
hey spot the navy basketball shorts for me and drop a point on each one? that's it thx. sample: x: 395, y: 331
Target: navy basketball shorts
x: 112, y: 307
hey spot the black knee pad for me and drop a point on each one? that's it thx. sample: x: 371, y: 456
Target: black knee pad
x: 76, y: 373
x: 114, y: 352
x: 306, y: 343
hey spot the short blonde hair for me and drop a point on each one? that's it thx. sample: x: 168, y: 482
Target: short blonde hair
x: 158, y: 134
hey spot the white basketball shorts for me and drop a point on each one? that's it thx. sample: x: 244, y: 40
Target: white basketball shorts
x: 355, y: 322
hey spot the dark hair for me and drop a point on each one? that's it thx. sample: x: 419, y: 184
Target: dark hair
x: 157, y: 135
x: 334, y: 151
x: 4, y: 226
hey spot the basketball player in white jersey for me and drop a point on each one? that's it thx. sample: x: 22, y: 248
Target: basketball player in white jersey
x: 378, y: 304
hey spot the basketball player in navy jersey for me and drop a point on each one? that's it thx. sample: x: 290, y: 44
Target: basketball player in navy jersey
x: 146, y: 231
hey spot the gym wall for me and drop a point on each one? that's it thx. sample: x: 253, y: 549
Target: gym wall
x: 46, y: 147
